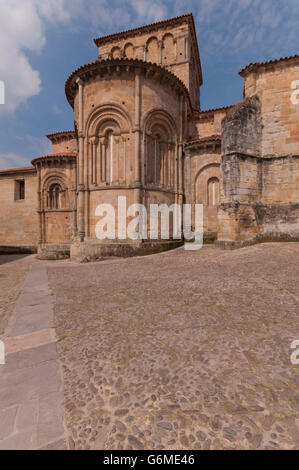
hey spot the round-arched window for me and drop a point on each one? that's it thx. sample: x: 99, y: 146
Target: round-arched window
x: 55, y: 200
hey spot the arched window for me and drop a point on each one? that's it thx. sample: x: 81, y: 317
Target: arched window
x: 115, y: 52
x: 160, y: 156
x: 55, y: 201
x: 213, y: 192
x: 129, y: 51
x: 168, y: 52
x: 152, y: 48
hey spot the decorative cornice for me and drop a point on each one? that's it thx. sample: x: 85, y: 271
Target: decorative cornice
x: 255, y: 65
x: 55, y: 156
x: 56, y: 136
x: 101, y: 67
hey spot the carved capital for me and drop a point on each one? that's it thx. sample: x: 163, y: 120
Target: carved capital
x: 79, y: 82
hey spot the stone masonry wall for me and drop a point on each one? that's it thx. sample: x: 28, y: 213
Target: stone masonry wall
x: 18, y: 218
x: 259, y: 168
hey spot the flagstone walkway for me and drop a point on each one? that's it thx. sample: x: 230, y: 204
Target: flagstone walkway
x: 31, y: 393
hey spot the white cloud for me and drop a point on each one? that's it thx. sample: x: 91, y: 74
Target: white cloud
x: 244, y: 28
x: 57, y: 110
x: 12, y: 160
x: 255, y: 27
x: 23, y: 25
x: 36, y: 146
x: 22, y: 29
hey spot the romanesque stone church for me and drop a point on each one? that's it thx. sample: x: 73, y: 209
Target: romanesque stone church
x: 139, y: 132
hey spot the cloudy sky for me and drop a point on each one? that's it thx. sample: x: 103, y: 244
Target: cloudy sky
x: 42, y: 42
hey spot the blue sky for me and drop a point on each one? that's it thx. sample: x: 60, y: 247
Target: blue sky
x: 42, y: 42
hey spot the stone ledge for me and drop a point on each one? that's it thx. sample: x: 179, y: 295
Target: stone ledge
x: 92, y: 251
x: 17, y: 250
x: 53, y: 252
x: 266, y: 238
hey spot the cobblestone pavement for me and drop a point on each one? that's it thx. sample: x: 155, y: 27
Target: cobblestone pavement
x: 181, y: 350
x: 13, y: 269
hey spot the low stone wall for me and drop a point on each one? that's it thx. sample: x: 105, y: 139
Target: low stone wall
x: 93, y: 250
x: 246, y: 224
x: 53, y: 252
x: 17, y: 250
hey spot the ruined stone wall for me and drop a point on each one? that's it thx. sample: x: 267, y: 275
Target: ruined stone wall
x: 259, y: 167
x: 18, y: 218
x: 280, y: 116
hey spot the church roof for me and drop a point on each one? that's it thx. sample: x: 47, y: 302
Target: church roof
x: 98, y: 65
x: 207, y: 138
x: 254, y: 65
x: 24, y: 169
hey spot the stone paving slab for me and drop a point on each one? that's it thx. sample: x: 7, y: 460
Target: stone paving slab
x: 31, y: 340
x: 31, y: 412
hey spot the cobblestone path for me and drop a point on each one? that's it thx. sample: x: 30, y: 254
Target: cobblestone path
x: 182, y: 350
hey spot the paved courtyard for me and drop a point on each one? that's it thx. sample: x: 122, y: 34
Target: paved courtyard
x: 181, y: 350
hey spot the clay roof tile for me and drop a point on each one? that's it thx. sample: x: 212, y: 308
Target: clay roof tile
x: 254, y: 65
x: 24, y: 169
x: 208, y: 138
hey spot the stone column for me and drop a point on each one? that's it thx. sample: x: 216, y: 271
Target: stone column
x: 102, y: 160
x: 124, y: 156
x: 137, y: 132
x: 75, y: 231
x: 116, y: 153
x: 81, y: 187
x: 169, y: 168
x: 94, y: 160
x: 160, y: 44
x: 39, y: 206
x: 186, y: 40
x: 187, y: 168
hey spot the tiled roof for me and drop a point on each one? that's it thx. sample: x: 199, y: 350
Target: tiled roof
x: 269, y: 63
x: 25, y: 169
x: 142, y: 29
x: 118, y: 62
x: 54, y: 155
x: 61, y: 134
x: 213, y: 110
x: 208, y: 138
